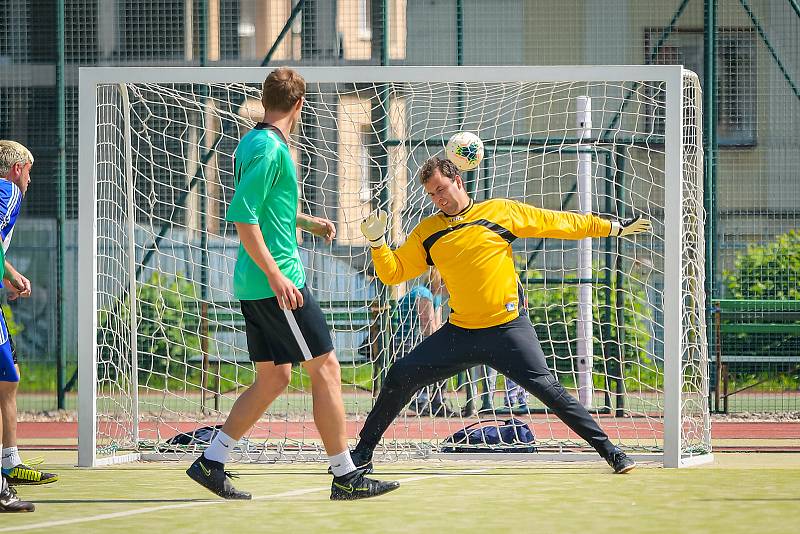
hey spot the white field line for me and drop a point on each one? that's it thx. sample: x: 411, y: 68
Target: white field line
x: 152, y: 509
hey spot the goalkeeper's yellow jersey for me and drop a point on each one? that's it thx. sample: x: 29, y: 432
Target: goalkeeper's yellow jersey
x: 472, y: 251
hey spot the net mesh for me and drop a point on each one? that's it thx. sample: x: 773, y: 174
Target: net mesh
x: 171, y: 346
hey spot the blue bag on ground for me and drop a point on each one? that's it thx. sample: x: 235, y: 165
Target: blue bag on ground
x: 511, y: 436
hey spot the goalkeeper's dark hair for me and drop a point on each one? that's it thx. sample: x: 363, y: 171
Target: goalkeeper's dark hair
x: 443, y: 165
x: 282, y: 89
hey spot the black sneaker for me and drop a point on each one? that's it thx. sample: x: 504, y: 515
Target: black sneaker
x: 620, y: 462
x: 355, y: 485
x: 10, y: 503
x: 24, y: 475
x: 212, y: 476
x: 362, y: 461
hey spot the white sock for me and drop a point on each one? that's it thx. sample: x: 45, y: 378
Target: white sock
x: 220, y: 448
x: 11, y: 458
x: 341, y: 463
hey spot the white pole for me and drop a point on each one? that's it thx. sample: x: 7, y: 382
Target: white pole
x: 87, y: 273
x: 584, y: 326
x: 131, y: 250
x: 673, y: 254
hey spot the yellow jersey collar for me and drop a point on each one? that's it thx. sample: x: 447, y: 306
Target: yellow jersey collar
x: 460, y: 215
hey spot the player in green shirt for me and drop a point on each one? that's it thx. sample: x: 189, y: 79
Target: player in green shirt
x: 283, y: 322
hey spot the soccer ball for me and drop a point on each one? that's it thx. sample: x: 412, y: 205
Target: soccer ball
x: 465, y: 149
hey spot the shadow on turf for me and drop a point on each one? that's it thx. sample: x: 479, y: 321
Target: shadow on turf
x: 754, y: 499
x: 115, y: 501
x: 496, y: 471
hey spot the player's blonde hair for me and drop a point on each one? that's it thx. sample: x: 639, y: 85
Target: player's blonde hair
x: 12, y: 153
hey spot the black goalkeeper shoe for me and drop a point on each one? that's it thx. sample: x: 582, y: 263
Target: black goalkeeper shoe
x: 212, y: 476
x: 10, y: 503
x: 355, y: 485
x: 620, y: 462
x: 362, y: 460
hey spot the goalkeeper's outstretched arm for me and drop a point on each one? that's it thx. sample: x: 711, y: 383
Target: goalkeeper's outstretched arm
x: 393, y: 266
x: 530, y: 221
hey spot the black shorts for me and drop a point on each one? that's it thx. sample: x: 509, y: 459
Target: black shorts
x: 285, y: 336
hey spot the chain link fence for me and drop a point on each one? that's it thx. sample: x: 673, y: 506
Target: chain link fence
x: 753, y: 157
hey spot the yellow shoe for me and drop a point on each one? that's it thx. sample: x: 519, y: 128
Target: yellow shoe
x: 22, y: 474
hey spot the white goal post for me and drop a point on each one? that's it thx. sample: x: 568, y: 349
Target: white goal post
x: 161, y: 342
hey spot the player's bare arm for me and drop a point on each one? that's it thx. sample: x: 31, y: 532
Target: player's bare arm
x: 17, y: 285
x: 318, y: 226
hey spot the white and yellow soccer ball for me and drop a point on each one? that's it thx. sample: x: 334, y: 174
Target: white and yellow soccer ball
x: 465, y: 149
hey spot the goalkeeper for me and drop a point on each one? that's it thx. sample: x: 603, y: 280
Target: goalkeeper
x: 470, y: 244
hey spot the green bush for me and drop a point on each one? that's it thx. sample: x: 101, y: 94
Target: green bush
x: 167, y: 337
x: 556, y: 327
x: 768, y: 272
x: 169, y: 327
x: 765, y: 272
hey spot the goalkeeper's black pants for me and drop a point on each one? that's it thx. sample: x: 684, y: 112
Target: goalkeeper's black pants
x: 511, y: 348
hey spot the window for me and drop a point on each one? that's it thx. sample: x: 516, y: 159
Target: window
x: 736, y: 76
x: 228, y: 30
x: 297, y: 24
x: 365, y: 166
x: 365, y: 19
x: 152, y: 32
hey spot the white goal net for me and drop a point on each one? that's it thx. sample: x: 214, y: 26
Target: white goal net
x: 162, y: 344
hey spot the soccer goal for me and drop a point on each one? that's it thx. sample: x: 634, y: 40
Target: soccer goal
x: 161, y: 339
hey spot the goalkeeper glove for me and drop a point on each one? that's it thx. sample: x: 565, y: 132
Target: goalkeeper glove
x: 626, y: 227
x: 373, y: 228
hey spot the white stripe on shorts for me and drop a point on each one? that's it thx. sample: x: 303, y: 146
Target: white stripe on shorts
x: 3, y: 330
x: 298, y: 336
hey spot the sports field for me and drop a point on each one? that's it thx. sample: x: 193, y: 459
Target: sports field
x: 737, y: 493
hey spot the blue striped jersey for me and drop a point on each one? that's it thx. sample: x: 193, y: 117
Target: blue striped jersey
x: 10, y: 202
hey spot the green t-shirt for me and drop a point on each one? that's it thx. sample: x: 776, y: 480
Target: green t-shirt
x: 266, y: 195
